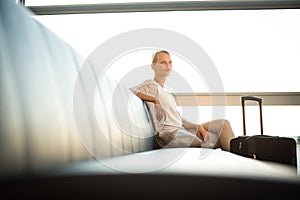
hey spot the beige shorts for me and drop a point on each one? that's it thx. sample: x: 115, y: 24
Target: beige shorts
x: 183, y: 138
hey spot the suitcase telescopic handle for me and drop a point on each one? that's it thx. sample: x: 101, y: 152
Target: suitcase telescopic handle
x: 252, y: 98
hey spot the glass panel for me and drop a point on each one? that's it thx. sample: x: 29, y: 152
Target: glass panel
x: 252, y: 50
x: 277, y: 120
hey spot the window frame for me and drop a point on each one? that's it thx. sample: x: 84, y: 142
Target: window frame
x: 162, y: 6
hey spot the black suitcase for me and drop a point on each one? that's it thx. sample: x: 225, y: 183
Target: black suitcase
x: 264, y: 147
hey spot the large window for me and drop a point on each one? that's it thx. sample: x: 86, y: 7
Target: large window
x: 252, y: 50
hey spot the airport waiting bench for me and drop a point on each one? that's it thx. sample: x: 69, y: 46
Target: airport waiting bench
x: 66, y: 132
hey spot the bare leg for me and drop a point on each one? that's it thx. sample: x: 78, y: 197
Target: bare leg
x: 223, y: 130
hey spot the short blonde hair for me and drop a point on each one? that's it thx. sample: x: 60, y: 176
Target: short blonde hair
x: 154, y: 57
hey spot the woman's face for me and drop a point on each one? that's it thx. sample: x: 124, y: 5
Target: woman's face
x: 163, y: 66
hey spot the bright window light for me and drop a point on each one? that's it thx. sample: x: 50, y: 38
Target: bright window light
x: 253, y: 50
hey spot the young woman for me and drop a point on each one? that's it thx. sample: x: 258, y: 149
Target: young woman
x: 172, y: 129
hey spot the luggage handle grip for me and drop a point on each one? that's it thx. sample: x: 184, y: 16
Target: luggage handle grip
x: 252, y: 98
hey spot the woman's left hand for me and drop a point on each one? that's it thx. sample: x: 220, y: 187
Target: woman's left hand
x: 202, y: 133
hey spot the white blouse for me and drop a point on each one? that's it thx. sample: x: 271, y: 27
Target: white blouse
x: 172, y: 120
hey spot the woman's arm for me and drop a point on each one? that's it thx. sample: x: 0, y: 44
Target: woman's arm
x: 148, y: 98
x: 200, y: 130
x: 188, y: 125
x: 158, y: 108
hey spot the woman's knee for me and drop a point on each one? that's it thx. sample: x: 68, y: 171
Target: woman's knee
x: 227, y: 123
x: 223, y: 122
x: 228, y: 129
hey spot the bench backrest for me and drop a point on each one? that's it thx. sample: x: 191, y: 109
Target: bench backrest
x: 42, y: 125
